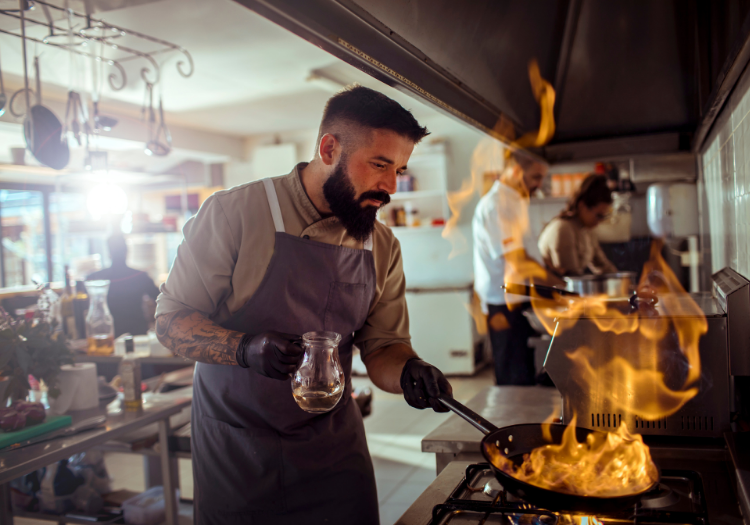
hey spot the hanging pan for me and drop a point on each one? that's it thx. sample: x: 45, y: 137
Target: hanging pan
x: 43, y: 131
x: 516, y: 440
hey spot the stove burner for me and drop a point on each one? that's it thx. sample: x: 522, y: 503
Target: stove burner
x: 662, y: 496
x: 481, y: 499
x: 492, y: 488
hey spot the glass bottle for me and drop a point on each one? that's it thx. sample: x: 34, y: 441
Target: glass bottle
x: 319, y: 381
x: 66, y: 308
x: 100, y: 327
x: 130, y: 373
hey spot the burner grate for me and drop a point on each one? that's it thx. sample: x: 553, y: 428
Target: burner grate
x: 479, y: 499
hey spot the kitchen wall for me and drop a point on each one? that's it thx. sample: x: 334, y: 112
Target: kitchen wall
x: 725, y: 175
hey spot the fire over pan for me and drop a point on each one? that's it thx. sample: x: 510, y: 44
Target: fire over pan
x: 522, y: 439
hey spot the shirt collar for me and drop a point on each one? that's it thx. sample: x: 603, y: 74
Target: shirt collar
x: 315, y: 222
x: 301, y: 200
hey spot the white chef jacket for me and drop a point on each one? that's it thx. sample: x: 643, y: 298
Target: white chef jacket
x: 500, y: 226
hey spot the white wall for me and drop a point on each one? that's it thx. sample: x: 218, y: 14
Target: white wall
x: 246, y: 170
x: 726, y: 178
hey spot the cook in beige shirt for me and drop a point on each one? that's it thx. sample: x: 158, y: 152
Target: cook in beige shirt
x: 570, y: 249
x: 229, y: 244
x: 568, y: 244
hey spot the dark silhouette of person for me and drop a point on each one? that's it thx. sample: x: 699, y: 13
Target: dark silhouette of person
x: 132, y: 293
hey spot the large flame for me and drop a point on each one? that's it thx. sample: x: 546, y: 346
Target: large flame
x: 634, y: 380
x: 605, y: 465
x: 490, y: 155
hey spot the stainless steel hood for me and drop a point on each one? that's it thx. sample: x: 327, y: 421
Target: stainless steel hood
x: 636, y: 76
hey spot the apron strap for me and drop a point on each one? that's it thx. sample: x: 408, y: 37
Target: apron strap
x: 368, y: 243
x: 273, y: 202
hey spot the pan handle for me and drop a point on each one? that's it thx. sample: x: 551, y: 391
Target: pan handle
x: 469, y: 415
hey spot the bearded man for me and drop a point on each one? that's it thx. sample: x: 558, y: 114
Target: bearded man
x: 262, y: 264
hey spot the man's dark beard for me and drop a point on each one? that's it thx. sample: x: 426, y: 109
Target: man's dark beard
x: 339, y: 191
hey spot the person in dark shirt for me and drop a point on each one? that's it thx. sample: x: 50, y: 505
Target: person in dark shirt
x: 132, y: 293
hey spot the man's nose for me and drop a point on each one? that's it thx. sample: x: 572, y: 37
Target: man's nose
x: 388, y: 182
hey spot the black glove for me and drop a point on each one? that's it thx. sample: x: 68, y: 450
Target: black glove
x: 271, y: 354
x: 422, y: 383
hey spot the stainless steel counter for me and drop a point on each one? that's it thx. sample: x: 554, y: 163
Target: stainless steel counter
x: 455, y: 439
x: 157, y: 408
x: 420, y: 511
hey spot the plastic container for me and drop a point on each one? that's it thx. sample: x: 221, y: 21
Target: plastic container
x: 147, y: 508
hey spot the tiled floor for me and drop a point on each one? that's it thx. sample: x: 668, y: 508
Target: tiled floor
x: 394, y: 434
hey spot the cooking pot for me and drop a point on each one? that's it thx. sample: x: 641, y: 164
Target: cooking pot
x: 618, y: 284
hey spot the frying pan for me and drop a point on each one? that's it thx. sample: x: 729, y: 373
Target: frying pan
x: 516, y: 440
x: 43, y: 131
x: 41, y: 128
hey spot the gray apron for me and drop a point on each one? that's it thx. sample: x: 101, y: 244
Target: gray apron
x: 258, y: 457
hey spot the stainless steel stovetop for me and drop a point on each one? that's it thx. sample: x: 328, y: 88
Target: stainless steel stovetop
x: 479, y: 499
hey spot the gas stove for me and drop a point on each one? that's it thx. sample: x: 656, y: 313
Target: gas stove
x: 480, y: 499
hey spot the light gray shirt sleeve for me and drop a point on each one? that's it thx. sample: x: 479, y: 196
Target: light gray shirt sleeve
x: 201, y: 276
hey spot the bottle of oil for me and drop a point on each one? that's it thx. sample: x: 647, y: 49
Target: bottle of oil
x: 130, y: 374
x: 80, y: 307
x: 67, y: 310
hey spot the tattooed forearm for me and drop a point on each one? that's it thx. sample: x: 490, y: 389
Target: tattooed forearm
x: 189, y: 334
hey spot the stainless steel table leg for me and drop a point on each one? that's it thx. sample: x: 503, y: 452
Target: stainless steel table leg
x: 167, y: 472
x: 152, y: 471
x: 6, y: 513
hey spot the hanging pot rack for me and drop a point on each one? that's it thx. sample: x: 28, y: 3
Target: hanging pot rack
x: 88, y: 31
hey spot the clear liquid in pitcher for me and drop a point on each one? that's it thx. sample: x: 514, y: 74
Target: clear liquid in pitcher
x: 318, y: 383
x: 317, y: 401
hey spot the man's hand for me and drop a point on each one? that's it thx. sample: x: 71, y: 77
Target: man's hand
x: 422, y: 384
x: 271, y: 354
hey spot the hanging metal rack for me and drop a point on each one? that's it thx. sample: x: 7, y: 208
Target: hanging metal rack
x: 86, y: 31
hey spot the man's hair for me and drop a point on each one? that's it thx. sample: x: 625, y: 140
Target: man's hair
x: 118, y: 248
x: 517, y: 158
x: 359, y: 108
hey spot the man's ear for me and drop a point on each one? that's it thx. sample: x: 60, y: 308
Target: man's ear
x: 329, y: 149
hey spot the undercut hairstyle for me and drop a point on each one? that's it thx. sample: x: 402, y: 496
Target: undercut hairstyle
x: 517, y: 158
x: 356, y: 109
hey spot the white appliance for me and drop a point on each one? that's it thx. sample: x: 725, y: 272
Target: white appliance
x: 672, y: 210
x: 442, y: 329
x: 673, y: 213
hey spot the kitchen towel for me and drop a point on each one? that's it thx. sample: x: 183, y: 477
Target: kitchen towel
x: 79, y: 388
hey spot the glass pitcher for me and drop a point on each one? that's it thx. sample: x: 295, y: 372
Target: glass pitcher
x: 100, y: 327
x: 319, y: 381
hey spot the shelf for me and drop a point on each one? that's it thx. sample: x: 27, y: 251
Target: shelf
x: 406, y: 195
x: 416, y: 228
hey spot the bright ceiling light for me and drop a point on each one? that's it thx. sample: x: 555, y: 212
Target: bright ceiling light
x: 107, y: 199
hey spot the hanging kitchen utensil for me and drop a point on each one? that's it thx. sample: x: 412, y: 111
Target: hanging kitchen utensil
x: 516, y: 440
x: 156, y: 146
x: 3, y: 98
x: 102, y: 122
x: 43, y: 131
x: 73, y: 117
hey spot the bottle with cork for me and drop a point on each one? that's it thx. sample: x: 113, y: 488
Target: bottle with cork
x: 130, y: 375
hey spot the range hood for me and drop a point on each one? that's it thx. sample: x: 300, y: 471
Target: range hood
x: 631, y: 76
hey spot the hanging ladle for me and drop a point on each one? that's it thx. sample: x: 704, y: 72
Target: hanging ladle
x: 155, y: 146
x: 3, y: 98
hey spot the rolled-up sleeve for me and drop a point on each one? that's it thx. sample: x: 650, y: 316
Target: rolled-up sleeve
x: 388, y: 321
x: 201, y: 276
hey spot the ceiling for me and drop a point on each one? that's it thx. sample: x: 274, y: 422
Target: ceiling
x: 250, y: 75
x: 622, y: 69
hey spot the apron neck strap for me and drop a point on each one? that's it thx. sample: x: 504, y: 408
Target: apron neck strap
x: 273, y: 203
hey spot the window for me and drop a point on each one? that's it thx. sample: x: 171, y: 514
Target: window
x: 23, y: 255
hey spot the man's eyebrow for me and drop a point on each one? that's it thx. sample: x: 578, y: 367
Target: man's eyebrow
x: 387, y: 161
